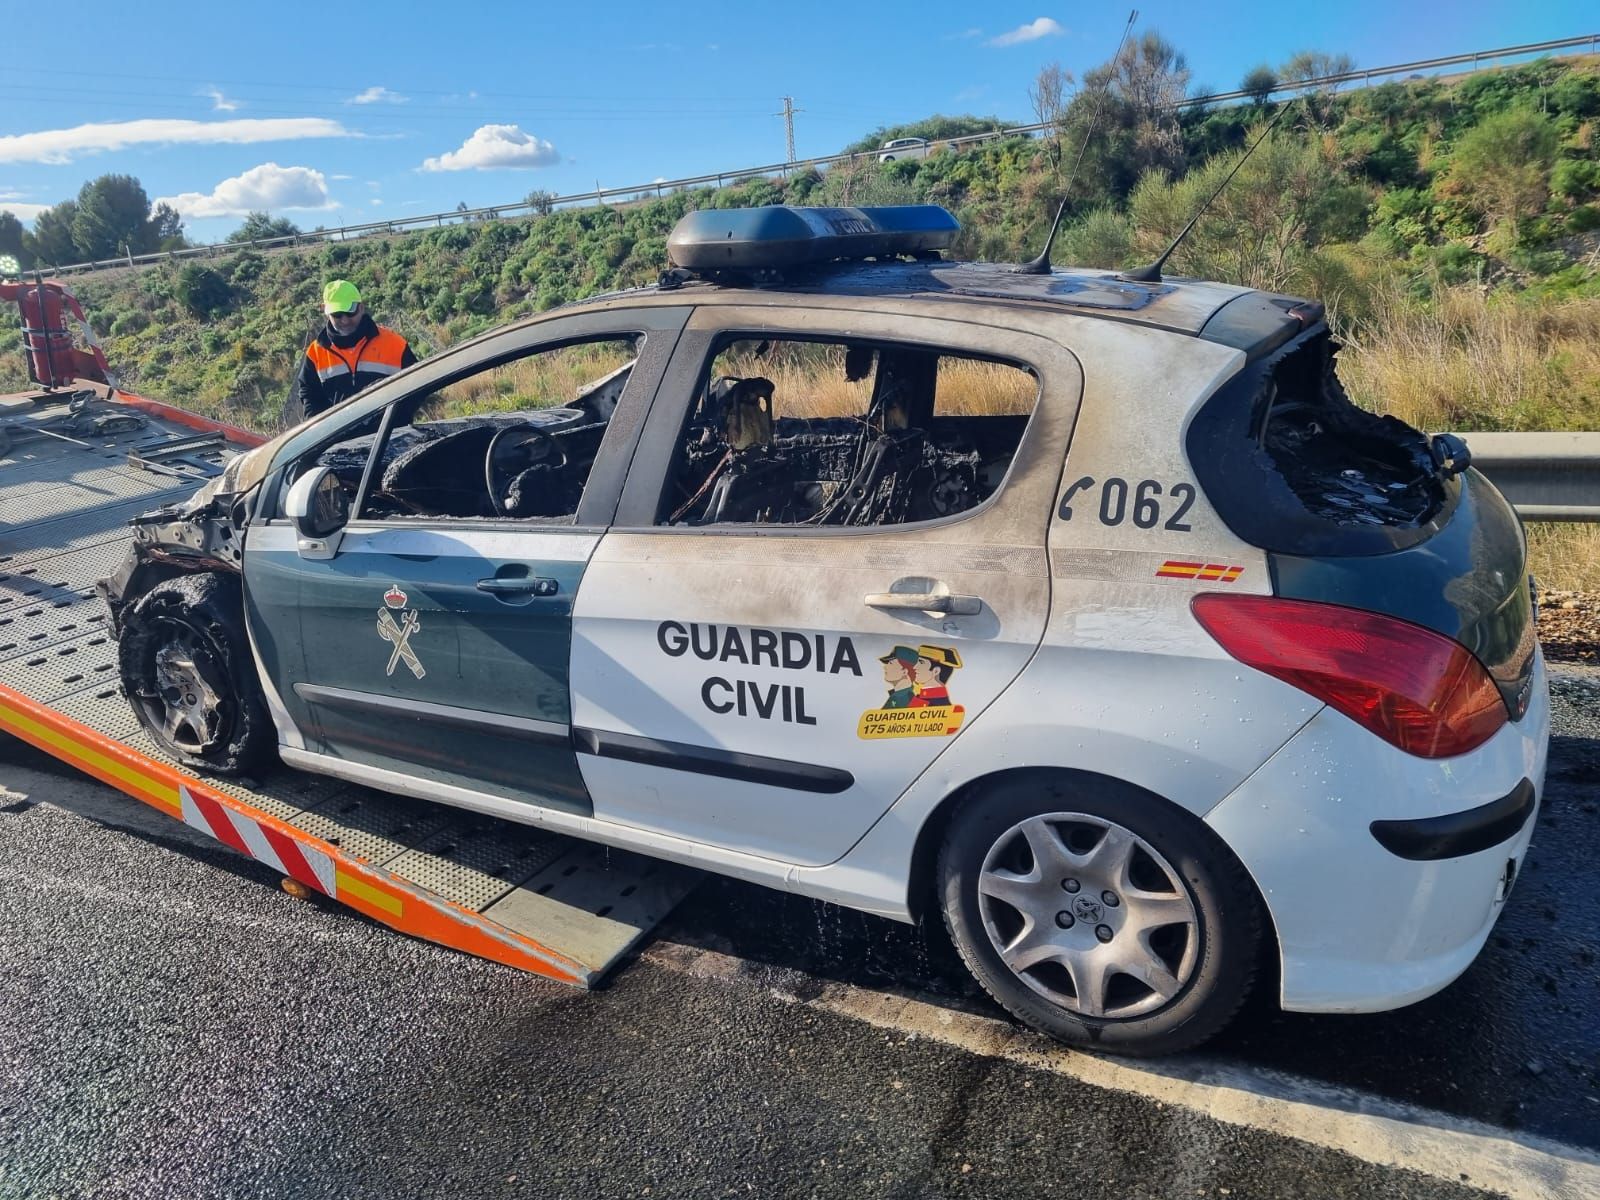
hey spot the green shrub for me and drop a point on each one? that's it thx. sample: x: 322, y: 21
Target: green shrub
x: 1584, y: 219
x: 202, y: 291
x: 1456, y: 263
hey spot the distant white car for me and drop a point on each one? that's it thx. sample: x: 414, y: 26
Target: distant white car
x: 907, y: 147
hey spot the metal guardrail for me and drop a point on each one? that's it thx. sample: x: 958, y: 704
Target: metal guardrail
x: 1546, y: 476
x: 1477, y: 60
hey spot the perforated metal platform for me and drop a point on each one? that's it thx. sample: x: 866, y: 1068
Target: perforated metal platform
x: 522, y: 895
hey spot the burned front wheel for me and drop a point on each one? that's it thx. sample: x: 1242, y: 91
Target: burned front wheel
x: 1099, y: 913
x: 188, y: 672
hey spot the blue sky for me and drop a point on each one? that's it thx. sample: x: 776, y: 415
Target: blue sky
x: 335, y: 114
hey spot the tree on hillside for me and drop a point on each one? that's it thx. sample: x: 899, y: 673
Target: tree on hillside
x: 1260, y: 82
x: 1314, y: 64
x: 541, y: 201
x: 50, y: 242
x: 1139, y: 128
x: 11, y: 238
x: 1502, y: 166
x: 1049, y: 94
x: 113, y: 218
x: 166, y: 228
x: 1286, y: 201
x: 258, y: 226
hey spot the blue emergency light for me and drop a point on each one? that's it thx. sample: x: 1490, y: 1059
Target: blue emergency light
x: 782, y: 235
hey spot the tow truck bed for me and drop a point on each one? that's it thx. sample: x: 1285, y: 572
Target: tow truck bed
x: 546, y: 903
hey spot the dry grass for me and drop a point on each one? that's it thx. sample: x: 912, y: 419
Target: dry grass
x: 541, y: 381
x: 808, y: 381
x: 1475, y: 362
x: 1566, y: 557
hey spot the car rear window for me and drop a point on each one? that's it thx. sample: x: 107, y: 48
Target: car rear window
x: 1293, y: 466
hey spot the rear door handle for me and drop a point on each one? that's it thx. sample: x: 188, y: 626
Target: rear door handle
x: 939, y: 602
x: 519, y: 585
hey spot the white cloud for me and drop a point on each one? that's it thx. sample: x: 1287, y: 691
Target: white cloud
x: 219, y: 102
x: 1040, y: 27
x: 964, y: 35
x: 23, y: 212
x: 267, y: 188
x: 341, y: 176
x: 378, y: 95
x: 58, y: 146
x: 494, y: 147
x: 375, y: 200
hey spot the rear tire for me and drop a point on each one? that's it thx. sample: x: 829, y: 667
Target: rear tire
x: 1099, y: 913
x: 187, y: 670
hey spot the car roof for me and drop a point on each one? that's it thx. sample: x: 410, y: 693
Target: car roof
x: 1176, y: 305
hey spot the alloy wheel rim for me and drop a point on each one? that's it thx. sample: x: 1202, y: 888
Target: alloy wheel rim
x: 184, y: 704
x: 1089, y: 915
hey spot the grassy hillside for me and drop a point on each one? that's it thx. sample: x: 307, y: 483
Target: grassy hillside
x: 1453, y: 229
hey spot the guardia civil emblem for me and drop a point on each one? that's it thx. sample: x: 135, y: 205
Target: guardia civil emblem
x: 398, y: 632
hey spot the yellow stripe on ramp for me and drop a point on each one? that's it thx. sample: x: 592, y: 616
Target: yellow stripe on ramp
x: 362, y: 890
x: 159, y: 790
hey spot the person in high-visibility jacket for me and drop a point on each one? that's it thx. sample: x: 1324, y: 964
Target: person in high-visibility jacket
x: 351, y: 352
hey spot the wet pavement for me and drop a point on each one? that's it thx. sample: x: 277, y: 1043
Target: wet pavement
x: 178, y: 1026
x: 1515, y: 1042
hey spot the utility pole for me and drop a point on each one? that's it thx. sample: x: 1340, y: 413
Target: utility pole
x: 787, y: 114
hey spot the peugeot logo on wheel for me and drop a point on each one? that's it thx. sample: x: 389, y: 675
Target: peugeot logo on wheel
x: 1086, y: 908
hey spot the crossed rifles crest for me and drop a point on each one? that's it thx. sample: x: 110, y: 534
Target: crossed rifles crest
x: 398, y: 633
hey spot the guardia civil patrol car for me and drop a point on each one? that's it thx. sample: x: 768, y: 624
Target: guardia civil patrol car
x: 1082, y: 608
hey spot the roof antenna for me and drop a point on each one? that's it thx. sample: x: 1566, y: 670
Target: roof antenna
x: 1041, y: 265
x: 1151, y: 272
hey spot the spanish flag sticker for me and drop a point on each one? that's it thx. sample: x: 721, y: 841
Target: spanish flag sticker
x: 1209, y: 572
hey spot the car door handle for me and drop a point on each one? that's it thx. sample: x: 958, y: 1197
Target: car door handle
x: 519, y: 585
x: 939, y: 602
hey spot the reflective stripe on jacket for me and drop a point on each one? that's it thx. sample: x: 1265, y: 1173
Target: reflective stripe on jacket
x: 377, y: 356
x: 331, y: 374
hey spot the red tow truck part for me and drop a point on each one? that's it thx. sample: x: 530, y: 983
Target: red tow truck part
x: 552, y: 905
x: 52, y: 359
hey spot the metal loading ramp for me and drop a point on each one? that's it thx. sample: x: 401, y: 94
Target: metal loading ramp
x: 543, y: 902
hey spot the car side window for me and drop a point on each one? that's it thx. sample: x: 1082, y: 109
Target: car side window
x: 799, y: 432
x: 513, y: 441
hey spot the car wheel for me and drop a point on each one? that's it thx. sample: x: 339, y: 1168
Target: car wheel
x: 1099, y: 913
x: 188, y: 672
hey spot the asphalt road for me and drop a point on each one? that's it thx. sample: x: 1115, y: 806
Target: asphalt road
x: 177, y: 1026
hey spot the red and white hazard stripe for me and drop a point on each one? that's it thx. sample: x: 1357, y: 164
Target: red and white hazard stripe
x: 248, y: 836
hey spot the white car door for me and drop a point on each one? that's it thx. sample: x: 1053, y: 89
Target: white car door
x: 747, y: 684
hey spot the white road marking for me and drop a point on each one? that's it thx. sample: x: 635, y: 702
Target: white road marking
x: 1378, y: 1131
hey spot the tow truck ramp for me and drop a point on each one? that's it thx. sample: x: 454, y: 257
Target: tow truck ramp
x: 543, y: 902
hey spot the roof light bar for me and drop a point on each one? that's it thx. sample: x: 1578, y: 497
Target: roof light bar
x: 781, y: 235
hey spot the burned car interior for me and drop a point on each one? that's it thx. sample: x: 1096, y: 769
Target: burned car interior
x: 483, y: 448
x: 812, y: 433
x: 1292, y: 465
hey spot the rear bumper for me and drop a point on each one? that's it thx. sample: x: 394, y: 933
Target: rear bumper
x: 1384, y: 873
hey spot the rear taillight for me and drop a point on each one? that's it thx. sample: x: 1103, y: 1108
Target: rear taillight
x: 1414, y: 688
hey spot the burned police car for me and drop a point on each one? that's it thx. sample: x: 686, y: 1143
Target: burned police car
x: 1084, y: 608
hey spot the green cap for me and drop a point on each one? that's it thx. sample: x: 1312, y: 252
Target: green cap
x: 340, y: 295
